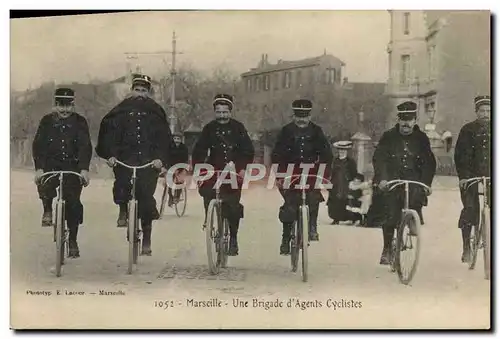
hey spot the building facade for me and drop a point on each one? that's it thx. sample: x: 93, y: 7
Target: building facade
x: 269, y: 89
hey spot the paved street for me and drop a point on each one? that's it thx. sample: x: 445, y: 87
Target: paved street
x: 343, y: 265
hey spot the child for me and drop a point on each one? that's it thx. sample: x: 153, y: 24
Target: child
x: 359, y: 199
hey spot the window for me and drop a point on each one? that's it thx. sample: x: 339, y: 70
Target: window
x: 405, y: 70
x: 276, y: 81
x: 406, y: 23
x: 287, y: 80
x: 267, y: 83
x: 257, y: 84
x: 330, y: 75
x: 249, y: 85
x: 432, y: 62
x: 298, y: 79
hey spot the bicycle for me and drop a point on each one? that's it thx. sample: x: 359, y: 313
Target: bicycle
x: 217, y: 236
x: 481, y: 235
x: 400, y: 243
x: 134, y: 231
x: 182, y: 198
x: 300, y: 230
x: 61, y: 231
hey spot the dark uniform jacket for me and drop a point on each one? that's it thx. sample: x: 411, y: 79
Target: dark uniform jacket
x: 405, y: 157
x: 307, y: 145
x: 179, y: 154
x: 62, y: 143
x: 472, y: 150
x: 136, y: 132
x: 220, y: 144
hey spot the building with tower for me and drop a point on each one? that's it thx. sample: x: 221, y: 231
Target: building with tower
x: 440, y: 59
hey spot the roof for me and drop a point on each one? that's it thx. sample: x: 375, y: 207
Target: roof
x: 284, y: 65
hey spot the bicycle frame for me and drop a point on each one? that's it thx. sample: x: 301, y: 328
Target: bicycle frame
x: 134, y: 174
x: 406, y: 183
x: 484, y: 182
x: 60, y: 226
x: 133, y: 234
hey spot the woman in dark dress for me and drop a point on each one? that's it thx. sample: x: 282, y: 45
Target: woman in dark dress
x: 343, y: 171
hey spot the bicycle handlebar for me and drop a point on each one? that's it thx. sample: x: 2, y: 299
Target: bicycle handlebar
x: 134, y: 167
x: 398, y: 182
x: 471, y: 181
x: 52, y: 174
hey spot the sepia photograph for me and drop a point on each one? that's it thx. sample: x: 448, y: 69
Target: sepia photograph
x: 244, y: 169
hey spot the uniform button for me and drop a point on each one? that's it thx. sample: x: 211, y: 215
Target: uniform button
x: 140, y: 152
x: 138, y: 127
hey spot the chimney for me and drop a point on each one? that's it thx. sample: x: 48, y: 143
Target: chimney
x: 346, y: 80
x: 262, y: 60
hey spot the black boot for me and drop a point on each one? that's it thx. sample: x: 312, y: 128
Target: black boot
x: 146, y: 238
x: 122, y: 216
x: 233, y: 237
x: 47, y: 213
x: 385, y: 258
x: 313, y: 233
x: 74, y: 251
x: 466, y: 251
x: 313, y: 224
x: 233, y: 245
x: 285, y: 239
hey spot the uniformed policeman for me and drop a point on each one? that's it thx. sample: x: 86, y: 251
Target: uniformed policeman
x: 224, y: 141
x: 62, y: 143
x: 178, y: 155
x: 136, y: 132
x: 472, y: 159
x: 403, y: 152
x: 300, y: 142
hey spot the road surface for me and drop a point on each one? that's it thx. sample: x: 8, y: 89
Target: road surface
x: 346, y: 289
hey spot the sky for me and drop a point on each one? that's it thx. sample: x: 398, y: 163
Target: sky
x: 84, y: 47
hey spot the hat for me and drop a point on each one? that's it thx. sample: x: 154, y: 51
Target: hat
x: 482, y: 100
x: 407, y: 110
x: 302, y: 107
x: 343, y: 144
x: 177, y: 134
x: 141, y: 79
x: 64, y: 95
x: 224, y: 99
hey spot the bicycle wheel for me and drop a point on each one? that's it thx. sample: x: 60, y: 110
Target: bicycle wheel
x: 294, y: 246
x: 486, y: 242
x: 163, y: 200
x: 180, y: 206
x: 476, y: 233
x: 304, y: 221
x: 211, y: 226
x: 392, y: 257
x: 59, y: 231
x: 132, y: 235
x: 407, y: 243
x: 223, y: 243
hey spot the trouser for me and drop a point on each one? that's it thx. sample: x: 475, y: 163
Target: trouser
x: 289, y: 211
x: 72, y: 190
x: 394, y: 204
x: 231, y: 207
x: 145, y: 188
x: 469, y: 215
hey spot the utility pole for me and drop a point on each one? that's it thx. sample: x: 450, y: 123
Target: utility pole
x: 173, y: 73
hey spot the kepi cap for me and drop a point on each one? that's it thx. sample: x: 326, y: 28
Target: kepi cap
x: 302, y: 107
